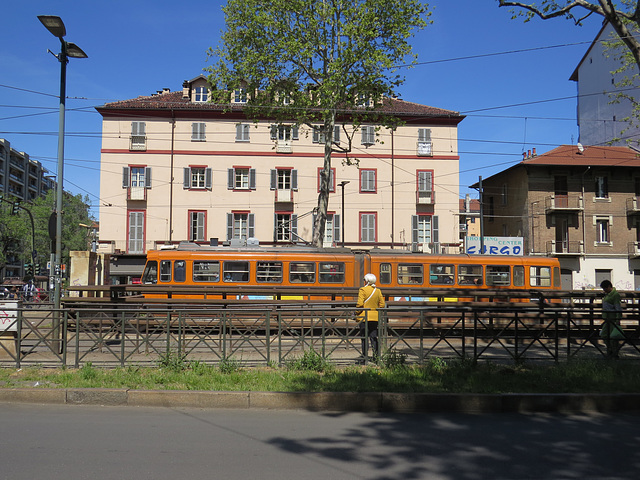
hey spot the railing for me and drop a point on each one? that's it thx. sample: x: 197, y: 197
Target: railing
x: 563, y: 202
x: 480, y: 326
x: 555, y: 247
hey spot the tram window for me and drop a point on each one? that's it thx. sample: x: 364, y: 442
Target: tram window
x: 410, y: 274
x: 302, y: 272
x: 498, y: 275
x: 470, y: 275
x: 540, y: 276
x: 270, y: 272
x: 385, y: 273
x: 206, y: 271
x: 165, y: 271
x: 179, y: 270
x: 150, y: 275
x: 518, y: 276
x: 441, y: 274
x: 332, y: 272
x: 236, y: 271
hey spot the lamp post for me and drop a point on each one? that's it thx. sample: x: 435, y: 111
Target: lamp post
x: 67, y: 49
x: 342, y: 184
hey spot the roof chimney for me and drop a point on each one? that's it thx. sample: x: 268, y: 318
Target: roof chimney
x: 185, y: 89
x: 534, y: 152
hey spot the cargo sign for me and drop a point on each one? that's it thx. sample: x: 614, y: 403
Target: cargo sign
x: 8, y: 316
x: 494, y: 246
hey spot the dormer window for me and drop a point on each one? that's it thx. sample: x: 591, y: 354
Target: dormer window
x: 240, y: 96
x: 201, y: 94
x: 364, y: 100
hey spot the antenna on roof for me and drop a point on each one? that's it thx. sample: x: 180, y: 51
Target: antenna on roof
x: 580, y: 148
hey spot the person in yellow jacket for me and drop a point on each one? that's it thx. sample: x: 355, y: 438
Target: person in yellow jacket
x: 371, y: 298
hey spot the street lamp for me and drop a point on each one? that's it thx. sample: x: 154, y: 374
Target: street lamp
x: 67, y: 49
x: 342, y: 184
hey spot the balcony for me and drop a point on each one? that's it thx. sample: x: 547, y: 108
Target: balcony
x: 563, y: 203
x: 283, y: 147
x: 633, y: 206
x: 138, y: 143
x: 137, y: 193
x: 284, y: 195
x: 424, y: 149
x: 427, y: 197
x: 634, y: 249
x: 566, y: 248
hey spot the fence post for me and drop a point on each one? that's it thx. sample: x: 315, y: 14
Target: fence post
x: 122, y: 341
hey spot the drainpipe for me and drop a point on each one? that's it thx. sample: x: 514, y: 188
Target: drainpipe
x: 173, y: 129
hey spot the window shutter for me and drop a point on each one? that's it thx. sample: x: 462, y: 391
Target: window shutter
x: 316, y: 135
x: 424, y: 134
x: 239, y: 129
x: 274, y: 132
x: 200, y: 226
x: 230, y: 178
x: 294, y: 133
x: 229, y: 226
x: 252, y: 178
x: 336, y: 134
x: 294, y: 179
x: 434, y: 229
x: 274, y: 179
x: 147, y: 177
x: 251, y: 231
x: 208, y: 178
x: 186, y: 177
x: 414, y: 228
x: 194, y: 131
x: 336, y: 228
x: 294, y: 228
x: 275, y: 227
x: 125, y: 177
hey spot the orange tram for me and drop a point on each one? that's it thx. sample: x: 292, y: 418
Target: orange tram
x: 189, y: 264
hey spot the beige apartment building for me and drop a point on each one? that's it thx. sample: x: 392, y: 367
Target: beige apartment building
x: 175, y: 167
x: 580, y: 204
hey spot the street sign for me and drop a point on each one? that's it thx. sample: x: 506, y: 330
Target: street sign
x: 8, y: 317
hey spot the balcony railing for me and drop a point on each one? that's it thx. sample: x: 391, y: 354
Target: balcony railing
x: 634, y: 249
x: 138, y: 142
x: 284, y: 195
x: 424, y: 149
x: 564, y: 203
x: 633, y: 206
x: 425, y: 197
x: 555, y: 247
x: 284, y: 147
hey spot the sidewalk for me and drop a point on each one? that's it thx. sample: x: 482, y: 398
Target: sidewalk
x: 333, y: 402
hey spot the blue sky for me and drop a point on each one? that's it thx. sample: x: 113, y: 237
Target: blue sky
x: 513, y: 101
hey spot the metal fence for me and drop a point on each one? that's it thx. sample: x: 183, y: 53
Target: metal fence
x: 254, y: 334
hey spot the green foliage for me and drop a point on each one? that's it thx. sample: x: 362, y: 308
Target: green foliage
x: 393, y: 359
x: 16, y: 234
x: 229, y: 365
x: 87, y: 372
x: 308, y: 63
x: 173, y: 360
x: 310, y: 361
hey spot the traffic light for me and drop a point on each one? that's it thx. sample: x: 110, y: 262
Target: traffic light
x: 15, y: 208
x: 37, y: 269
x: 28, y: 268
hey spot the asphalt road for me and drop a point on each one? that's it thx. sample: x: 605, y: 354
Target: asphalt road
x: 87, y: 442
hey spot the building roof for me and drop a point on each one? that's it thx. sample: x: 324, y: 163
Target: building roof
x: 572, y: 155
x: 592, y: 156
x: 168, y: 101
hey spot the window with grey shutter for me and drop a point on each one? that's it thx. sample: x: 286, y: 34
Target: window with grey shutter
x: 294, y: 227
x: 274, y: 132
x: 186, y: 180
x: 231, y: 178
x: 414, y: 229
x: 208, y: 178
x: 252, y: 179
x: 336, y: 227
x: 294, y: 179
x: 242, y: 132
x: 274, y: 179
x: 295, y: 134
x: 424, y: 134
x: 125, y: 177
x: 252, y: 232
x: 368, y: 135
x: 229, y: 226
x: 147, y: 177
x: 434, y: 229
x: 198, y: 132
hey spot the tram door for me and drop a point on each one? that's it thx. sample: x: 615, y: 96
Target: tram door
x: 362, y: 267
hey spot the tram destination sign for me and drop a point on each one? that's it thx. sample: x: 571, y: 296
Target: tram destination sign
x: 494, y: 246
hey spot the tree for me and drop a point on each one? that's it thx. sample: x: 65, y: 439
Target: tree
x: 16, y: 235
x: 623, y: 15
x: 316, y: 63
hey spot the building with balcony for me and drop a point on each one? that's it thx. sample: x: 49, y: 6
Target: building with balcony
x: 579, y: 204
x: 24, y: 180
x: 175, y: 167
